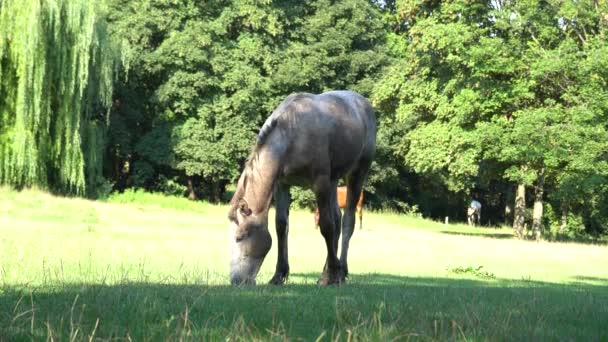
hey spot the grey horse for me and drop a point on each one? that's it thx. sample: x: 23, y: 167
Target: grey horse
x: 474, y: 213
x: 312, y: 141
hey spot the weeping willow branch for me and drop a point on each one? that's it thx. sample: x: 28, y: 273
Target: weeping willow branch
x: 56, y: 74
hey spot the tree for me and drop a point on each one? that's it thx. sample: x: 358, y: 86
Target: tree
x: 209, y: 75
x: 56, y: 77
x: 563, y: 124
x: 453, y: 76
x: 503, y: 91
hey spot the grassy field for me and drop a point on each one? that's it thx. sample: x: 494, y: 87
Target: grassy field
x: 149, y: 268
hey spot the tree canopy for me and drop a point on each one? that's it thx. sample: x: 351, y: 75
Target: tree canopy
x: 213, y: 73
x: 509, y: 92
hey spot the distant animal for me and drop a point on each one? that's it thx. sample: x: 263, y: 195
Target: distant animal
x: 313, y: 141
x: 474, y: 213
x: 341, y: 193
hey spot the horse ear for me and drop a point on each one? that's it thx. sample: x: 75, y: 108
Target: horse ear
x: 244, y: 207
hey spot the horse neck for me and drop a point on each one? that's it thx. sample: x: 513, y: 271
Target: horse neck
x: 262, y: 176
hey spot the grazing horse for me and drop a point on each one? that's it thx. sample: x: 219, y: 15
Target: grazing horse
x: 309, y: 140
x: 341, y: 193
x: 474, y: 213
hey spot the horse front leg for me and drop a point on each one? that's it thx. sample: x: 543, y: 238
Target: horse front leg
x: 282, y: 202
x: 325, y: 191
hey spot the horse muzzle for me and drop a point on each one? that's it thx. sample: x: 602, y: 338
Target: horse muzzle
x: 243, y: 271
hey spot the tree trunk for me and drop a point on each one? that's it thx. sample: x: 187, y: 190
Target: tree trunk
x: 564, y: 220
x: 216, y: 192
x: 520, y: 208
x: 191, y: 193
x: 538, y: 205
x: 221, y: 190
x: 117, y: 172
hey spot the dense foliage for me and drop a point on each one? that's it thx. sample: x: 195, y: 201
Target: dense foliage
x: 56, y: 78
x: 503, y: 93
x: 504, y: 101
x: 202, y: 78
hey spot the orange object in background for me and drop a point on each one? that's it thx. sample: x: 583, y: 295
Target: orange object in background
x: 341, y: 192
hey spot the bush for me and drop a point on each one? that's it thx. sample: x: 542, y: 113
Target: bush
x: 171, y: 187
x: 142, y: 173
x: 100, y: 189
x: 303, y: 198
x: 573, y: 230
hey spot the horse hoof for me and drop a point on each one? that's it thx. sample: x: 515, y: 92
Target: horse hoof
x: 326, y: 280
x: 278, y: 280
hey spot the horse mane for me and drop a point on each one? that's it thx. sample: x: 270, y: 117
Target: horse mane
x: 285, y: 108
x: 266, y: 129
x: 241, y: 185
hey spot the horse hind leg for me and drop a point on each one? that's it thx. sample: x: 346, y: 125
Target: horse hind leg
x: 282, y: 202
x: 355, y: 186
x: 337, y: 224
x: 325, y: 192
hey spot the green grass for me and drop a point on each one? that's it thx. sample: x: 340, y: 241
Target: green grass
x: 155, y: 268
x: 147, y: 199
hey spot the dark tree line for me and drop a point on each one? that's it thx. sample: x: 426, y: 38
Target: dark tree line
x: 503, y: 101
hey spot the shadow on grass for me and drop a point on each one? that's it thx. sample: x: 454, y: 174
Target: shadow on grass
x: 369, y: 306
x: 600, y: 241
x: 593, y: 280
x: 481, y: 233
x: 528, y: 237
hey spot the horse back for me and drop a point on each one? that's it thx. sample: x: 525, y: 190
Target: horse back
x: 331, y: 133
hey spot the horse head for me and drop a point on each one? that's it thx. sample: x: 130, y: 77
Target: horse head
x: 250, y: 240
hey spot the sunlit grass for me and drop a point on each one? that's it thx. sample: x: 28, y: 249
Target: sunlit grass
x: 142, y: 199
x: 144, y: 270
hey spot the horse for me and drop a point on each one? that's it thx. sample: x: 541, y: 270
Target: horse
x: 474, y: 213
x: 341, y: 193
x: 309, y: 140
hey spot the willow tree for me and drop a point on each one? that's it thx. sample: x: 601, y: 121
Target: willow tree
x: 56, y: 71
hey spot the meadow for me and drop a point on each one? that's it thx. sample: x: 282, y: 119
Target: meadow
x: 145, y: 267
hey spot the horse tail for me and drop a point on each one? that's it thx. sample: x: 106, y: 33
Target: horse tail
x: 361, y: 219
x: 360, y: 210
